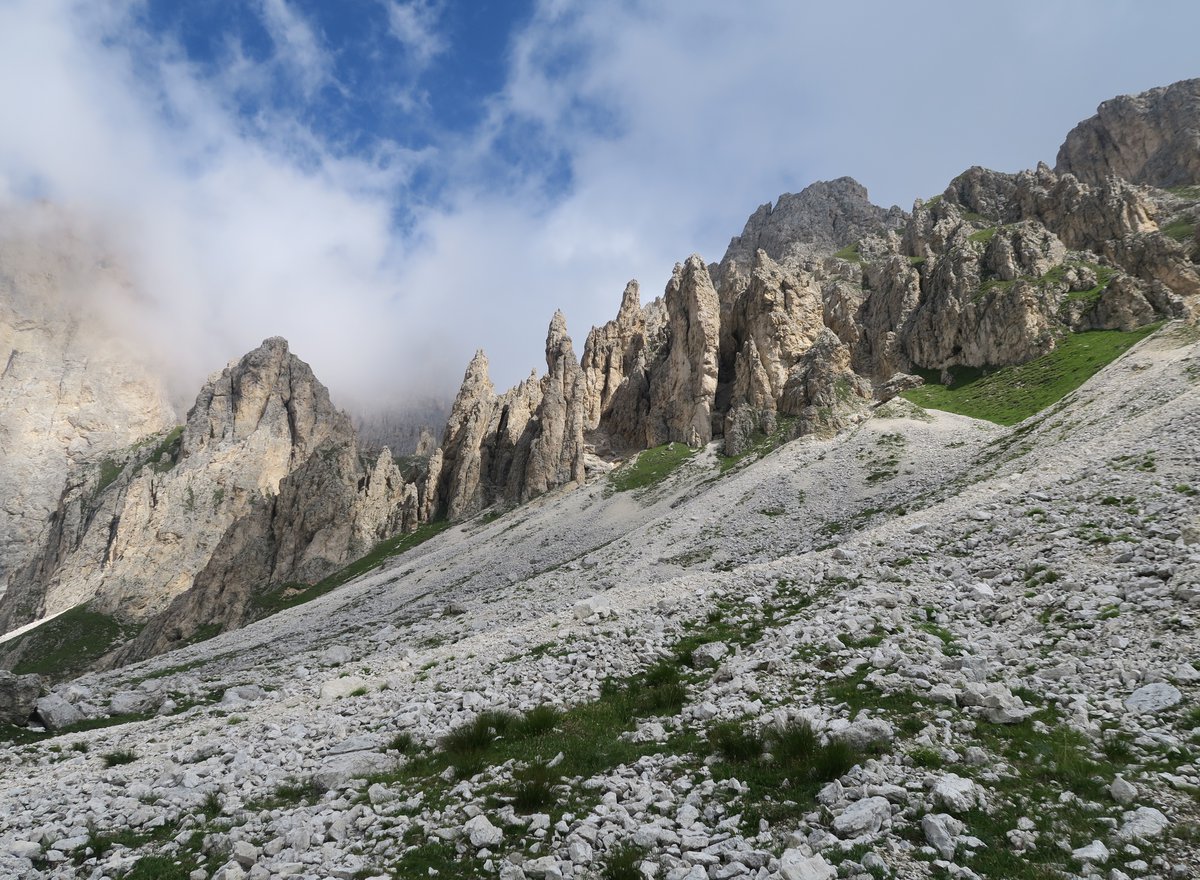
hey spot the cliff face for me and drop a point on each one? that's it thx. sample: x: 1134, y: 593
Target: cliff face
x: 1152, y: 138
x: 71, y: 392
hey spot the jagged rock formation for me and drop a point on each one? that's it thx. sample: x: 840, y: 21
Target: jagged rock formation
x: 1152, y: 138
x: 556, y: 451
x: 71, y: 390
x: 511, y: 448
x: 134, y: 534
x: 683, y: 387
x: 782, y: 329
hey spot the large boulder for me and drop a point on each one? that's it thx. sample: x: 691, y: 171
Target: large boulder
x: 56, y: 713
x: 18, y: 697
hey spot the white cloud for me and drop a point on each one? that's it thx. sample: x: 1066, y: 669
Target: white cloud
x: 414, y: 25
x: 297, y: 44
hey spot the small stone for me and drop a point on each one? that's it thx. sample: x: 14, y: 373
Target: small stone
x: 708, y: 655
x: 795, y: 865
x: 1095, y: 853
x: 862, y: 818
x: 940, y: 830
x: 482, y: 832
x: 245, y: 853
x: 1123, y: 791
x: 956, y: 793
x: 1144, y: 823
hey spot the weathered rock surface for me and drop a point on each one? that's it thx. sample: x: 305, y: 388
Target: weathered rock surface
x: 556, y: 448
x: 820, y: 219
x: 267, y: 487
x: 1151, y: 138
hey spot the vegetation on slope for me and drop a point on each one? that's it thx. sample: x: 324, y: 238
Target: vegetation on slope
x: 1008, y: 395
x: 69, y: 644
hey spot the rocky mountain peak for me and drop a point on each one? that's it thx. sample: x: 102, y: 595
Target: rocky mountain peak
x: 268, y: 390
x: 1152, y: 138
x: 822, y: 218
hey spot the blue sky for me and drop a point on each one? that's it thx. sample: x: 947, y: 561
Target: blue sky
x: 394, y: 183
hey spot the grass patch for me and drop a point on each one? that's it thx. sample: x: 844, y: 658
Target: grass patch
x: 983, y: 236
x: 109, y: 471
x: 1009, y: 395
x: 850, y: 252
x: 278, y: 598
x: 166, y: 454
x: 1182, y: 230
x: 784, y: 786
x: 650, y: 467
x: 69, y: 644
x: 623, y: 863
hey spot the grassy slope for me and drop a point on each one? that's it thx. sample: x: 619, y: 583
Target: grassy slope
x: 65, y: 646
x: 651, y: 467
x: 1011, y: 394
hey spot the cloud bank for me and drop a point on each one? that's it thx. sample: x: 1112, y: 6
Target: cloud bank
x: 623, y: 137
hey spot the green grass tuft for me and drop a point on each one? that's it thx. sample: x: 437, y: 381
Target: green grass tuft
x: 109, y: 471
x: 734, y: 743
x: 623, y: 863
x: 850, y: 252
x: 1009, y: 395
x: 119, y: 757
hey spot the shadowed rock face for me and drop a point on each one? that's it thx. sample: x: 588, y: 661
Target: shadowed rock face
x: 1152, y: 138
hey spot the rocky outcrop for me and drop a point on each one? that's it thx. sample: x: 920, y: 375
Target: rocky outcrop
x: 511, y: 448
x: 460, y: 491
x: 610, y: 355
x: 332, y: 509
x: 72, y: 390
x: 683, y: 386
x: 556, y: 449
x: 1152, y: 138
x: 772, y: 324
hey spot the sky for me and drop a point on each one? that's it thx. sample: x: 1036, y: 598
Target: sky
x: 392, y: 184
